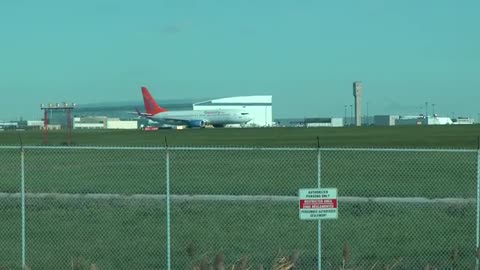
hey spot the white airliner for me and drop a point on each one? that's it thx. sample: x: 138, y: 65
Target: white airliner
x: 192, y: 118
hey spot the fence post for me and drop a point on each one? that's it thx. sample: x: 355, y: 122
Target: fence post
x: 22, y: 192
x: 168, y: 206
x: 477, y: 212
x: 319, y: 177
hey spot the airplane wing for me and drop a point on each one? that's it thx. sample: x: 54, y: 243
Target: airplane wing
x: 137, y: 112
x: 183, y: 121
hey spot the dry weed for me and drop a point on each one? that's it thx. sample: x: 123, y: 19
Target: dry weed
x: 286, y: 263
x: 454, y: 258
x: 242, y: 264
x: 430, y: 267
x: 395, y: 264
x: 345, y: 255
x: 219, y: 262
x: 79, y: 263
x: 191, y: 250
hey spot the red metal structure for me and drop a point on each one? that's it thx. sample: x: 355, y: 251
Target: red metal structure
x: 65, y: 106
x: 45, y: 126
x: 69, y: 126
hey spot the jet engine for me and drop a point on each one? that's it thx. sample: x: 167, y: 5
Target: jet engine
x: 196, y: 123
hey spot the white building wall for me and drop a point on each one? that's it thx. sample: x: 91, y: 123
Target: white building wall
x: 35, y: 123
x: 116, y: 124
x: 78, y: 125
x: 262, y: 113
x: 9, y: 124
x: 464, y: 121
x: 410, y: 121
x: 52, y: 127
x: 424, y: 121
x: 337, y: 122
x: 385, y: 120
x: 334, y: 122
x: 439, y: 121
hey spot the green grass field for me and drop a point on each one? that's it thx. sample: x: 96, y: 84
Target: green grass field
x: 116, y: 235
x: 121, y: 235
x: 401, y: 136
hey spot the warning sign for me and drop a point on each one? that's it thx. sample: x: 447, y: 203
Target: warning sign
x: 318, y: 203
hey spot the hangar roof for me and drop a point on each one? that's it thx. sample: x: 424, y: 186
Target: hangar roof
x: 124, y: 109
x: 240, y: 100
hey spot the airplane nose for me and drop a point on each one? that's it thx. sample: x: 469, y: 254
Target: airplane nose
x: 246, y: 118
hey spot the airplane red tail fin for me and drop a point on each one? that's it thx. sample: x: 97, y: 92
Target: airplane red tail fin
x: 151, y: 107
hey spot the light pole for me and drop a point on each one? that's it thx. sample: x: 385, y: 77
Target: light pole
x: 433, y: 109
x: 345, y: 117
x: 426, y: 109
x: 351, y: 113
x: 368, y: 120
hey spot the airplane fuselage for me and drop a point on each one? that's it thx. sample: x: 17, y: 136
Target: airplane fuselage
x: 203, y: 117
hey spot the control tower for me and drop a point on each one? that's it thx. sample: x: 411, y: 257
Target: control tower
x: 357, y: 93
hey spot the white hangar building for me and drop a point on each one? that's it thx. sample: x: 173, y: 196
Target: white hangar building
x: 260, y: 107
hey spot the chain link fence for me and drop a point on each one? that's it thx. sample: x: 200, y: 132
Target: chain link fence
x: 195, y: 208
x: 10, y: 208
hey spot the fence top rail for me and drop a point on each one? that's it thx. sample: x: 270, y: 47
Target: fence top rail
x: 10, y: 146
x: 217, y: 148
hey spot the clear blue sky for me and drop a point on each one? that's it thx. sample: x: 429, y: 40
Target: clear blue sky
x: 306, y: 53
